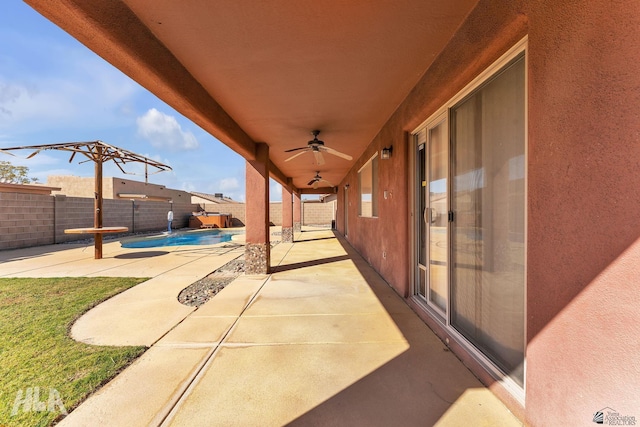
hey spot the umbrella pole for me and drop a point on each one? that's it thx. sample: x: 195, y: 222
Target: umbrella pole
x: 97, y: 217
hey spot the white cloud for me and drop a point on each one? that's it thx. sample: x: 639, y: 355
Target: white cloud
x: 188, y: 186
x: 164, y: 131
x: 88, y: 94
x: 228, y: 184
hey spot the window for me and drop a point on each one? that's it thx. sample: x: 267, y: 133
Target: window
x: 368, y: 180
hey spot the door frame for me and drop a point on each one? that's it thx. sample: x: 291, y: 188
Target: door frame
x: 517, y: 391
x: 439, y: 119
x: 346, y: 210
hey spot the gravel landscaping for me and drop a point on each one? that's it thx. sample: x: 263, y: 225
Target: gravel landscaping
x: 206, y: 288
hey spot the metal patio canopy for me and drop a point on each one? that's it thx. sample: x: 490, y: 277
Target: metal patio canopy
x: 97, y: 152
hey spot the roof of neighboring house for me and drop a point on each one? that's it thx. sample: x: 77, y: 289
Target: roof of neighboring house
x: 213, y: 198
x: 6, y: 187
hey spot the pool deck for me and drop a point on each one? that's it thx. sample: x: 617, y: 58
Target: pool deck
x: 323, y: 340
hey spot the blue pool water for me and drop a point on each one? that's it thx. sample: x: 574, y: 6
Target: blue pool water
x: 208, y: 237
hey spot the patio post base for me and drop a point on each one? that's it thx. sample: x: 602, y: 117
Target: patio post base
x: 256, y: 258
x: 287, y: 234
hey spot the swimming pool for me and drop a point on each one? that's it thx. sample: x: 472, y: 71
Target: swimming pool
x: 208, y: 237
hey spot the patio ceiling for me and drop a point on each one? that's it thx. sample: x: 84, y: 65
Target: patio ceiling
x: 271, y: 71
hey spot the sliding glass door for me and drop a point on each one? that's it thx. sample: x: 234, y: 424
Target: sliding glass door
x: 487, y: 287
x: 470, y: 217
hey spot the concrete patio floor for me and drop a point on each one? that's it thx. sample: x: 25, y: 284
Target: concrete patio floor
x: 323, y: 340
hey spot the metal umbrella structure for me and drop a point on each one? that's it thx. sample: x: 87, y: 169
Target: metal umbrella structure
x: 97, y: 152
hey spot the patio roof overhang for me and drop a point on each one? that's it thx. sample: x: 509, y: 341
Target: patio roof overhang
x: 250, y: 72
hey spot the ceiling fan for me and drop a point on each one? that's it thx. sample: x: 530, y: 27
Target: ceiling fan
x: 315, y: 182
x: 317, y: 147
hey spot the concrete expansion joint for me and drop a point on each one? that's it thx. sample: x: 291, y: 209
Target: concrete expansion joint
x: 308, y: 343
x: 211, y: 316
x: 254, y: 316
x: 165, y: 416
x: 188, y: 345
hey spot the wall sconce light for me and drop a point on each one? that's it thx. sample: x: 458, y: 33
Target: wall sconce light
x: 386, y: 152
x: 346, y: 187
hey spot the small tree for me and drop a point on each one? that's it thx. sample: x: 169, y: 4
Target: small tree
x: 14, y: 174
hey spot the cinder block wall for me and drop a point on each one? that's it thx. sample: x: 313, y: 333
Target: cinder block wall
x: 148, y: 215
x: 313, y: 212
x: 74, y: 212
x: 31, y: 220
x: 317, y: 213
x: 275, y: 213
x: 25, y: 220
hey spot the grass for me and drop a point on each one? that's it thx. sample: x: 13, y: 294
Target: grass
x: 36, y: 350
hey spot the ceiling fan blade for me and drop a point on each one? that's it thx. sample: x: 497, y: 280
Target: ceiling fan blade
x: 295, y: 155
x: 330, y: 184
x: 337, y: 153
x: 319, y: 157
x: 296, y: 149
x: 313, y: 181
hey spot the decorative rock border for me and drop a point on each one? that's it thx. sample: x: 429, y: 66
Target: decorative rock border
x: 206, y: 288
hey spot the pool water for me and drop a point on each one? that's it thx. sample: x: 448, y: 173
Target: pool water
x: 208, y: 237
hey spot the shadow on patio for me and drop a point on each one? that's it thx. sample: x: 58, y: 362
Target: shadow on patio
x: 321, y: 341
x: 423, y: 385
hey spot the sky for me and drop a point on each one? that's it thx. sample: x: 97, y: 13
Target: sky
x: 53, y: 89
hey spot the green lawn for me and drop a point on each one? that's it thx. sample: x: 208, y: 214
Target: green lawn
x: 36, y: 350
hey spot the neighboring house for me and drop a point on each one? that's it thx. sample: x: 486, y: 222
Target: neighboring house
x: 505, y: 207
x: 117, y: 188
x: 204, y: 198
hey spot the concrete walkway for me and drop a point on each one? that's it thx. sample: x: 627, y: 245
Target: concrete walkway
x: 124, y: 319
x: 322, y: 341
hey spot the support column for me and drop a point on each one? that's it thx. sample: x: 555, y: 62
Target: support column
x: 297, y: 213
x: 287, y: 213
x: 258, y: 245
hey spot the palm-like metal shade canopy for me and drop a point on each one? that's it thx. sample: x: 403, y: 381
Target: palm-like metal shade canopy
x: 97, y: 152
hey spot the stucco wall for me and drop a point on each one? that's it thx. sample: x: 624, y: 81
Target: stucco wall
x: 584, y: 199
x: 583, y: 252
x: 77, y: 186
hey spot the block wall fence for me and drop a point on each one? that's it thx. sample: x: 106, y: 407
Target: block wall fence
x: 313, y: 213
x: 35, y: 219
